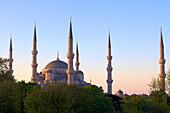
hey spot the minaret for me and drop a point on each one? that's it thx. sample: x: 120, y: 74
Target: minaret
x: 162, y: 61
x: 10, y: 60
x: 77, y: 58
x: 109, y: 67
x: 34, y: 56
x: 70, y: 71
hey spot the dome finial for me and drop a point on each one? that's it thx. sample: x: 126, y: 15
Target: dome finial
x: 58, y: 55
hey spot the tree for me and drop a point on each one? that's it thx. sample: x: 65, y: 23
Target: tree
x: 5, y: 75
x: 64, y: 98
x: 117, y: 101
x: 25, y: 88
x: 159, y: 100
x: 154, y: 85
x: 10, y: 100
x: 79, y: 99
x: 134, y: 103
x: 49, y: 99
x: 168, y: 81
x: 99, y: 102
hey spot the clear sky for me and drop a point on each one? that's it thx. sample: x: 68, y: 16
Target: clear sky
x: 134, y: 26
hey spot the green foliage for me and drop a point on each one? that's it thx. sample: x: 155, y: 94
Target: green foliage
x: 134, y: 103
x: 159, y: 99
x: 23, y: 97
x: 79, y: 99
x: 168, y: 81
x: 155, y: 103
x: 5, y: 75
x: 10, y: 100
x: 3, y: 64
x: 117, y: 101
x: 50, y: 99
x: 154, y: 84
x: 25, y: 88
x: 129, y: 108
x: 64, y: 98
x: 99, y: 103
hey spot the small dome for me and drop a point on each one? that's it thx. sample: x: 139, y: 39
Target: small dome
x: 120, y: 92
x: 57, y: 64
x: 126, y: 94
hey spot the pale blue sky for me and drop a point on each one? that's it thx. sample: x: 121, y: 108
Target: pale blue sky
x: 134, y: 26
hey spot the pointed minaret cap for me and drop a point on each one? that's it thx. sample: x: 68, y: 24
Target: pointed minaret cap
x: 58, y: 56
x: 70, y: 19
x: 70, y: 36
x: 10, y: 46
x: 161, y: 38
x: 35, y: 37
x: 109, y: 44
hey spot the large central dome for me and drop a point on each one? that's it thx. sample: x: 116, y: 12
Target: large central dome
x: 57, y: 64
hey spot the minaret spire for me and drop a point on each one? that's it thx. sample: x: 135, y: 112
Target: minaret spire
x: 58, y: 56
x: 34, y: 56
x: 70, y: 71
x: 162, y: 61
x: 10, y: 61
x: 77, y: 58
x: 109, y: 67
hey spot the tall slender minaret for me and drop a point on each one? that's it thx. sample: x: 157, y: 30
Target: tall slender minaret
x: 162, y: 61
x: 34, y: 57
x: 10, y: 60
x: 70, y: 71
x: 109, y: 67
x: 77, y: 58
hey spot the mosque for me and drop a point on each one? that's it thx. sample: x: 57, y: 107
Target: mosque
x: 60, y: 71
x: 57, y: 70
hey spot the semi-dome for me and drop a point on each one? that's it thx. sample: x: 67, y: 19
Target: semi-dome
x: 57, y: 64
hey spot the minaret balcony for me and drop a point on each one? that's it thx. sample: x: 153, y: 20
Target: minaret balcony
x: 162, y: 75
x: 10, y: 60
x: 109, y: 68
x: 162, y: 61
x: 34, y: 52
x: 77, y: 63
x: 109, y: 57
x: 109, y: 81
x: 34, y: 65
x: 70, y: 55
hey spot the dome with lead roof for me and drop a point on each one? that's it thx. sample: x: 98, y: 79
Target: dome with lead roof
x: 57, y: 64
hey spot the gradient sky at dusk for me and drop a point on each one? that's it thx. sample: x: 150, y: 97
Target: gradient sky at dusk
x: 134, y: 26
